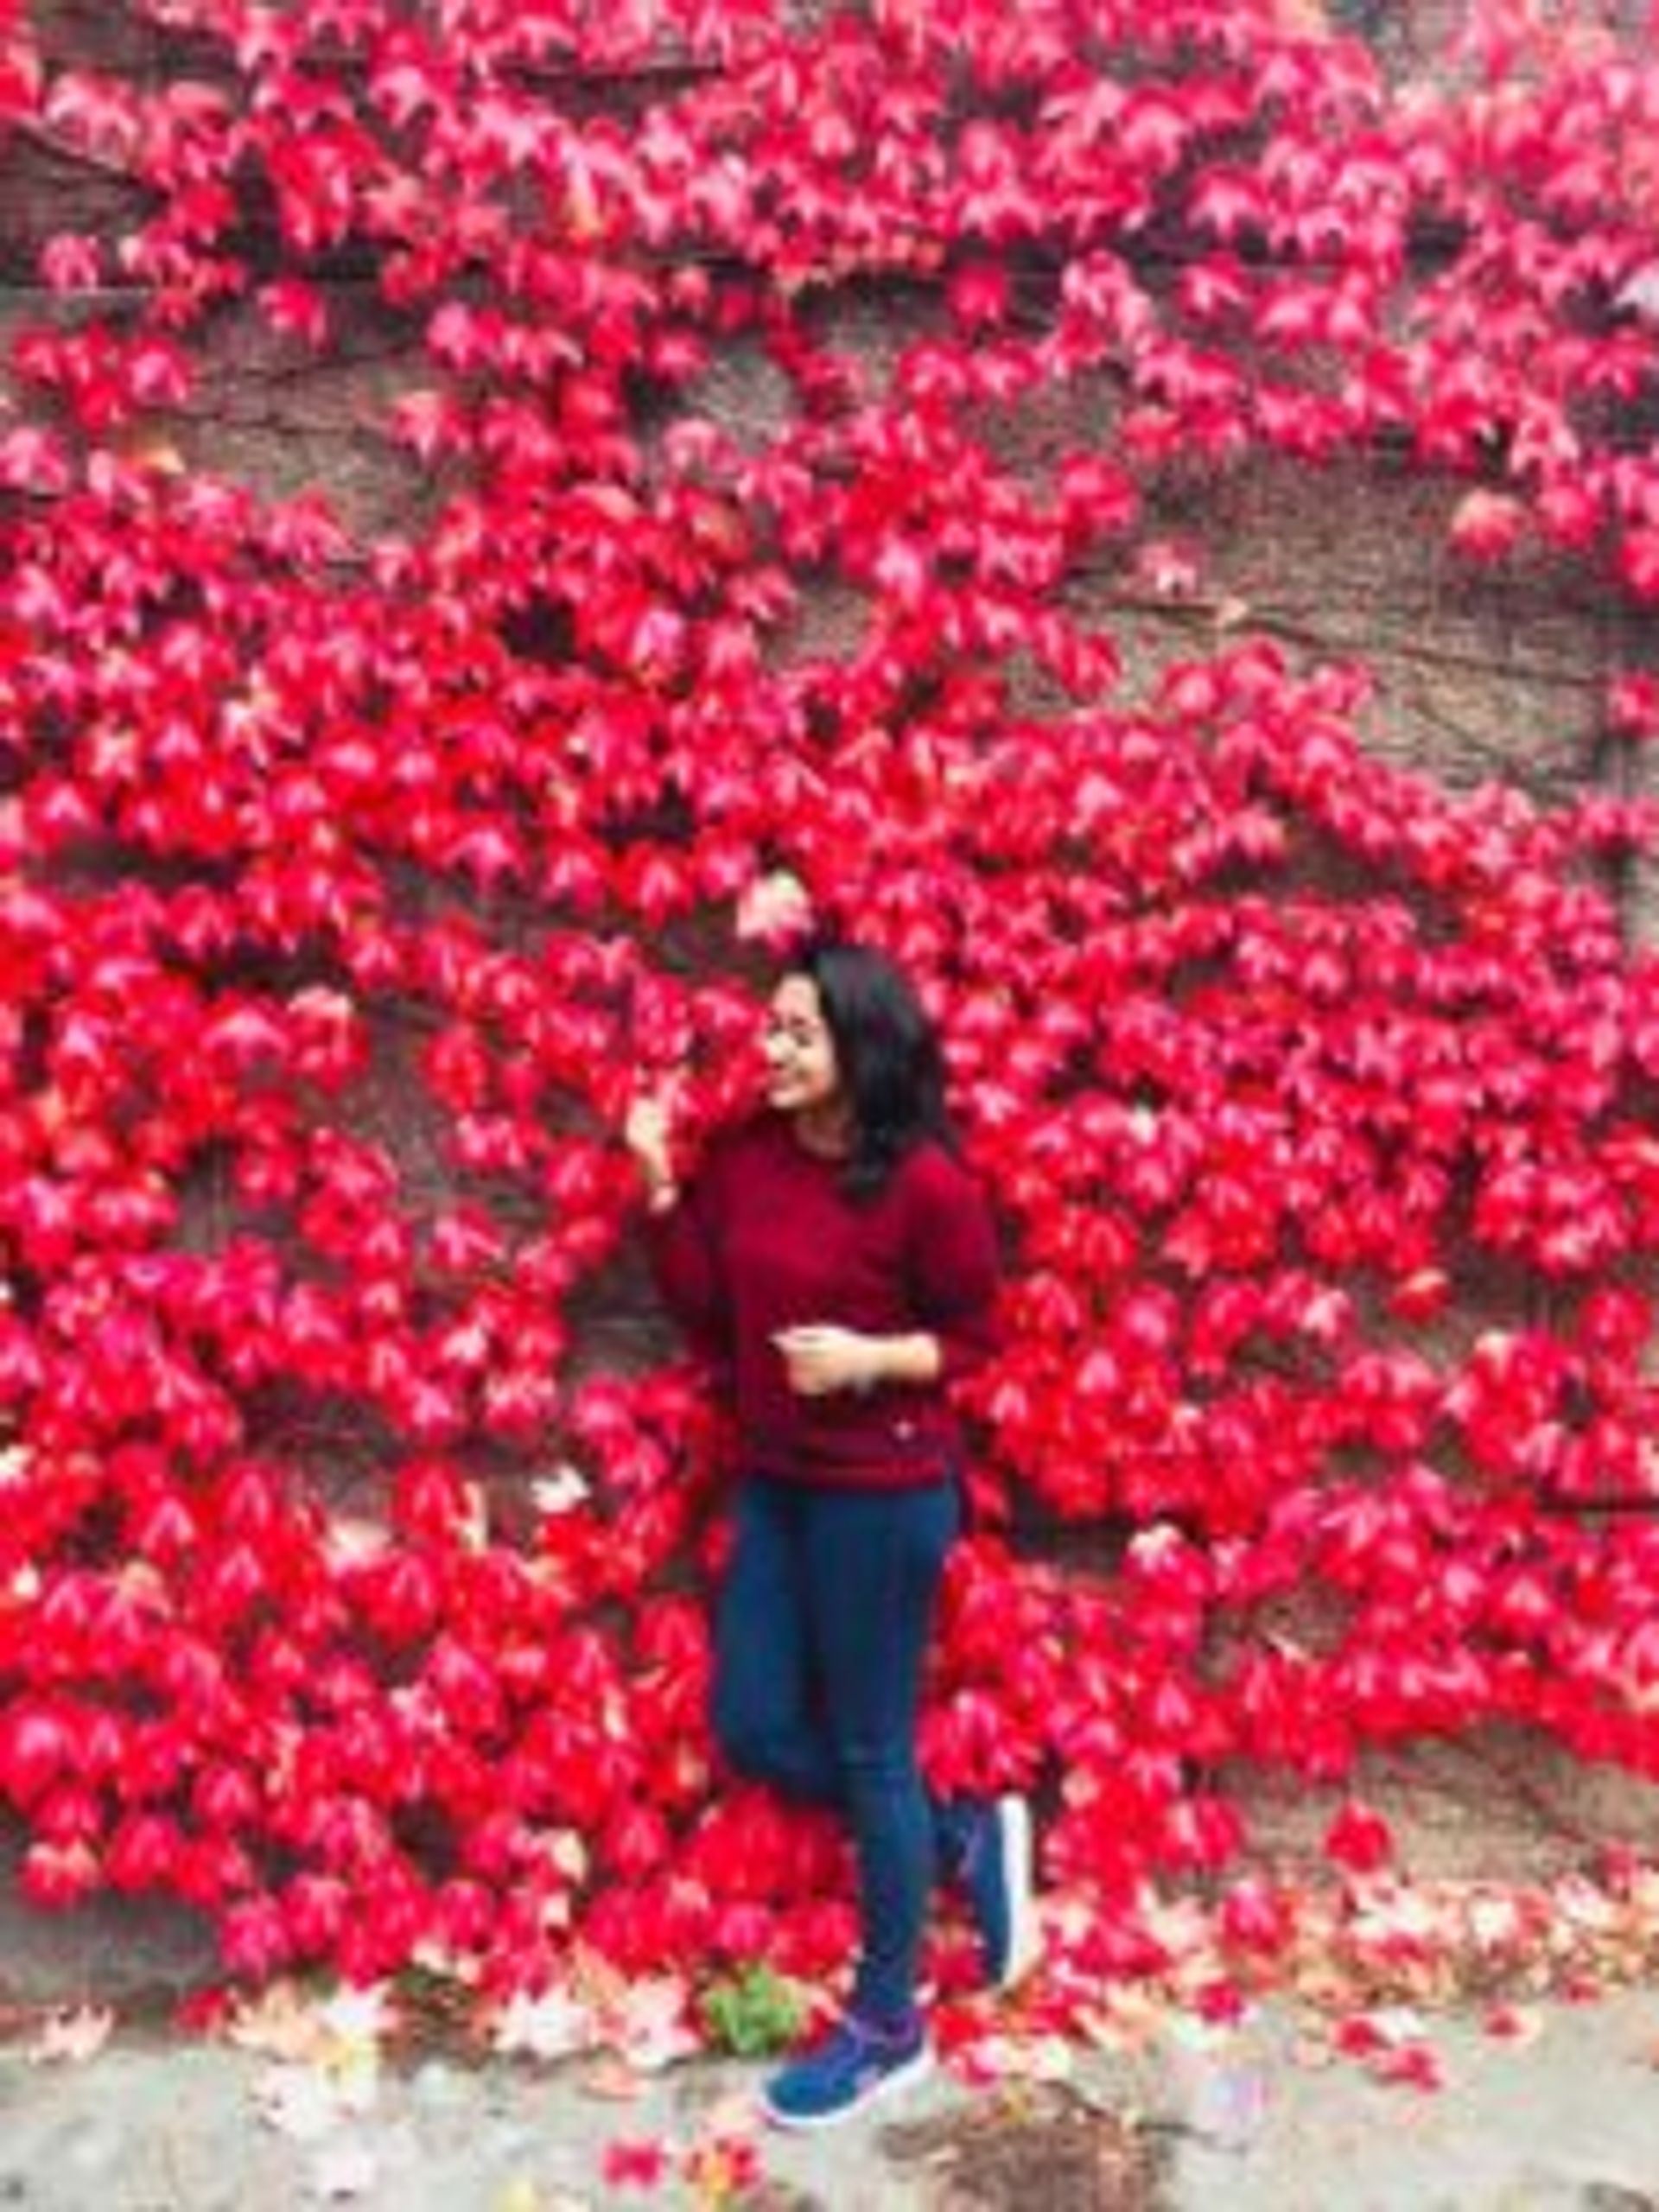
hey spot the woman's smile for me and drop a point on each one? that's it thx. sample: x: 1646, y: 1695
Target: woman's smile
x: 801, y: 1070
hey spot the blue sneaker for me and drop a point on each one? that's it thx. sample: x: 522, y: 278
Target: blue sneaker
x: 995, y: 1869
x: 857, y: 2067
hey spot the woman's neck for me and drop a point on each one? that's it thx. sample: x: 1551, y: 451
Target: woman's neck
x: 826, y: 1130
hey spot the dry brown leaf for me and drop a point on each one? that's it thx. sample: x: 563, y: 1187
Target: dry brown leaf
x: 612, y: 2079
x: 1313, y: 2054
x: 70, y: 2036
x: 651, y: 2027
x: 277, y: 2024
x: 308, y: 2105
x: 552, y: 2026
x: 733, y: 2113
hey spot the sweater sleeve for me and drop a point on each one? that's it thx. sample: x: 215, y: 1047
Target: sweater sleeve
x: 683, y: 1248
x: 953, y: 1263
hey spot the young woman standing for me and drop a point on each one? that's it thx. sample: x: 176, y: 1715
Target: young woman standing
x: 836, y: 1262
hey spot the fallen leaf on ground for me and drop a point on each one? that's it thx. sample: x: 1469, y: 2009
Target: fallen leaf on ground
x: 521, y: 2194
x: 277, y: 2024
x: 651, y: 2027
x: 1390, y: 2027
x: 639, y: 2165
x: 1517, y: 2024
x: 612, y: 2079
x: 550, y: 2027
x: 736, y: 2112
x: 1413, y: 2066
x: 72, y: 2035
x: 343, y: 2170
x: 341, y: 2033
x: 358, y: 2015
x: 1046, y: 2146
x: 1013, y: 2058
x: 1313, y: 2054
x: 720, y: 2169
x: 305, y: 2103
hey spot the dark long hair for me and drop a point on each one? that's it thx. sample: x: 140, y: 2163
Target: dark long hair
x: 888, y: 1054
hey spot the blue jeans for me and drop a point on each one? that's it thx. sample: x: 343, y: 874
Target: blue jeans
x: 821, y: 1633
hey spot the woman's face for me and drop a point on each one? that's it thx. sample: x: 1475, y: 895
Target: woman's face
x: 801, y: 1070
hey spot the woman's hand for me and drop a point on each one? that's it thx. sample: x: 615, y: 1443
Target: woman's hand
x: 648, y: 1134
x: 821, y: 1358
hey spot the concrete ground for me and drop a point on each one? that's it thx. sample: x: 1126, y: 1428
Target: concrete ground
x: 1563, y: 2116
x: 152, y: 2123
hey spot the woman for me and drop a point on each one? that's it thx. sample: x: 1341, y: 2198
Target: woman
x: 835, y: 1259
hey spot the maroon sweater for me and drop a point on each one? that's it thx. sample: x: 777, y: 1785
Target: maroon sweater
x: 765, y: 1238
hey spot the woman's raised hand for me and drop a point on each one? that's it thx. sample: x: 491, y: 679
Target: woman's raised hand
x: 648, y: 1132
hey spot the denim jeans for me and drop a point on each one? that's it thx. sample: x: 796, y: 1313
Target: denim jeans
x: 820, y: 1634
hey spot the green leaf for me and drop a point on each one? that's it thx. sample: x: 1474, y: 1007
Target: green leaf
x: 754, y: 2014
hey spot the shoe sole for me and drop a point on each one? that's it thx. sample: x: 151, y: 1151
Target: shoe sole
x: 1015, y: 1842
x: 902, y: 2077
